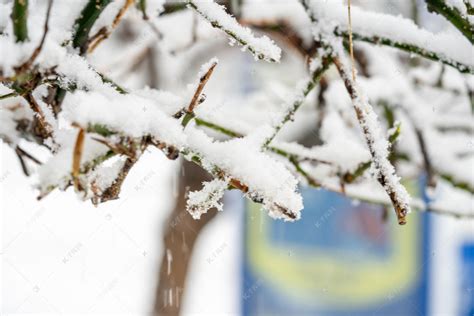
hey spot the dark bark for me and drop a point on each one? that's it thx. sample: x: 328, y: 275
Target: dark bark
x: 180, y: 235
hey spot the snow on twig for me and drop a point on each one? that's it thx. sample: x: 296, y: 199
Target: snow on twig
x: 395, y: 31
x: 262, y: 179
x: 199, y: 202
x: 376, y: 142
x: 262, y: 48
x: 317, y: 68
x: 204, y: 75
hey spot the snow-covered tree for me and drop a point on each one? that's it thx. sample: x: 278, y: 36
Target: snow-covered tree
x: 56, y: 93
x: 384, y: 100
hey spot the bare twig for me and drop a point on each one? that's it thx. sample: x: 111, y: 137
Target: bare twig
x: 28, y: 155
x: 351, y: 46
x: 104, y: 33
x: 46, y: 129
x: 24, y: 168
x: 112, y: 192
x: 324, y: 61
x: 197, y: 95
x: 426, y: 158
x: 27, y: 64
x: 8, y: 95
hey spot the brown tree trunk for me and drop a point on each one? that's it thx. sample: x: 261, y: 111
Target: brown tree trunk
x: 180, y: 234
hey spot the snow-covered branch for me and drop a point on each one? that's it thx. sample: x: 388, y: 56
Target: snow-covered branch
x: 456, y: 14
x: 96, y: 126
x: 262, y: 48
x: 377, y: 144
x: 377, y: 28
x: 317, y: 68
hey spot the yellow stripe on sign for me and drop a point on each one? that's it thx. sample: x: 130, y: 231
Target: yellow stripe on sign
x: 320, y: 278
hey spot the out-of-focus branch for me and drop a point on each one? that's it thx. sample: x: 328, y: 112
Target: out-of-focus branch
x: 318, y: 67
x: 20, y: 20
x: 105, y: 32
x: 44, y: 128
x: 84, y: 23
x: 38, y: 49
x: 409, y: 48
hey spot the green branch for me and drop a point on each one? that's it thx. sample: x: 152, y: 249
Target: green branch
x: 454, y: 16
x: 294, y: 160
x: 84, y: 23
x: 409, y: 48
x: 20, y: 20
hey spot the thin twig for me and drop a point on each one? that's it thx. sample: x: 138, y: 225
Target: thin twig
x: 8, y: 95
x: 46, y: 128
x: 197, y: 95
x: 38, y: 49
x: 351, y: 46
x: 315, y: 75
x: 99, y: 37
x: 24, y: 168
x: 338, y: 189
x: 28, y: 155
x: 386, y: 180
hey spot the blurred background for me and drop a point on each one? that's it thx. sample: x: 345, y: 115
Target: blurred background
x: 144, y: 254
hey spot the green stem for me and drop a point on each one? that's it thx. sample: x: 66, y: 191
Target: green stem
x: 142, y: 6
x: 409, y: 48
x: 218, y: 128
x: 452, y: 15
x: 292, y: 158
x: 8, y: 95
x: 84, y: 23
x: 20, y: 20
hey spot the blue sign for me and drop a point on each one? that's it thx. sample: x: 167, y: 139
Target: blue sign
x: 467, y: 280
x: 340, y: 258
